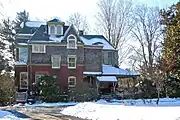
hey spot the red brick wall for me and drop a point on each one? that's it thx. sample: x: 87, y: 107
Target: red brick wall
x: 62, y: 74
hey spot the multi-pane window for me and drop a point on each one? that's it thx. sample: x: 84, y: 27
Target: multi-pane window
x: 52, y: 29
x: 72, y: 61
x: 37, y: 48
x: 58, y: 29
x: 71, y: 81
x: 56, y: 61
x: 23, y: 54
x: 23, y: 80
x: 71, y: 42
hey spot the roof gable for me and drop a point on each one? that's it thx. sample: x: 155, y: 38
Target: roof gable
x: 55, y: 20
x: 71, y: 31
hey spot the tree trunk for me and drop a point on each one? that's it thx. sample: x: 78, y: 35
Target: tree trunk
x: 158, y: 92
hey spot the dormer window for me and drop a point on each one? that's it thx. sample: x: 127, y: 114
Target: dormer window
x: 58, y: 29
x: 52, y: 30
x: 71, y: 42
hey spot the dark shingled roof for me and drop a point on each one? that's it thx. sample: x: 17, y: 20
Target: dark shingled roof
x: 93, y: 36
x: 55, y: 20
x: 41, y: 33
x: 27, y: 30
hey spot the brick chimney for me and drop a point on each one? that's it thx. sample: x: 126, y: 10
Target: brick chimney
x: 81, y: 32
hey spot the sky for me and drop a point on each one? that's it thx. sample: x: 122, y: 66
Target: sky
x: 45, y: 10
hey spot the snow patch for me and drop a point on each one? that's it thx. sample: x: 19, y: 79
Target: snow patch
x: 92, y: 41
x: 94, y: 111
x: 102, y: 101
x: 56, y: 39
x: 107, y: 78
x: 34, y: 23
x: 58, y: 104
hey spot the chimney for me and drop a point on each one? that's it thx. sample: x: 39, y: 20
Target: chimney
x: 81, y: 32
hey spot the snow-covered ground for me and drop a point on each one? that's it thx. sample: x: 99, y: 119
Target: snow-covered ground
x: 58, y: 104
x: 168, y: 109
x: 5, y: 115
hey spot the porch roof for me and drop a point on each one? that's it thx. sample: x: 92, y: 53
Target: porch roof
x: 107, y: 78
x: 110, y: 70
x: 92, y: 73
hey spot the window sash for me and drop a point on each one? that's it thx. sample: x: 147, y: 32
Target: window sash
x: 23, y: 54
x: 58, y: 29
x: 23, y: 80
x: 72, y: 81
x: 52, y: 29
x: 72, y: 44
x: 71, y: 61
x: 38, y: 48
x: 56, y: 61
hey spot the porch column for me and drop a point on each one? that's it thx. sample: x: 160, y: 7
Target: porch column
x: 90, y: 80
x: 114, y: 86
x: 97, y: 86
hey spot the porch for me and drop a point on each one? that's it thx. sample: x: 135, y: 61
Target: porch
x: 107, y: 81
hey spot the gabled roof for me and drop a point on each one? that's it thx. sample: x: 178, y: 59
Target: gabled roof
x: 55, y: 20
x: 29, y: 27
x: 97, y: 40
x: 109, y: 70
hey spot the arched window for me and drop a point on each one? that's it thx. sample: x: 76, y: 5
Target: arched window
x: 71, y: 81
x: 71, y: 42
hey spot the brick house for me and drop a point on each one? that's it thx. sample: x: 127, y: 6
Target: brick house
x: 59, y: 50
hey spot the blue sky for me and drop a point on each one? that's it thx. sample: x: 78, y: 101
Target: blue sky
x: 46, y: 9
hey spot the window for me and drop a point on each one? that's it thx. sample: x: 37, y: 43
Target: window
x: 71, y: 40
x: 23, y: 54
x: 56, y: 61
x: 52, y: 29
x: 71, y: 81
x: 110, y: 58
x: 72, y: 61
x: 23, y: 80
x: 38, y: 48
x: 37, y: 77
x: 58, y: 29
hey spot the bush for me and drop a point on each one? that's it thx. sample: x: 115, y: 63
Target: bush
x: 7, y: 89
x: 83, y: 93
x: 48, y: 90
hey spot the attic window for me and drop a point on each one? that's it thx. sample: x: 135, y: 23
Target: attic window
x: 71, y: 42
x: 52, y: 29
x: 58, y: 29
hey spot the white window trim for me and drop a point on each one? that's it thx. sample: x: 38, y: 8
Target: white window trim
x: 57, y: 30
x: 72, y: 77
x: 72, y: 56
x: 57, y: 56
x: 20, y: 80
x: 33, y: 51
x: 49, y: 29
x: 71, y: 39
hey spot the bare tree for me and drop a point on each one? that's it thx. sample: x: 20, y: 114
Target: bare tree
x: 147, y: 32
x: 113, y: 21
x: 79, y: 21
